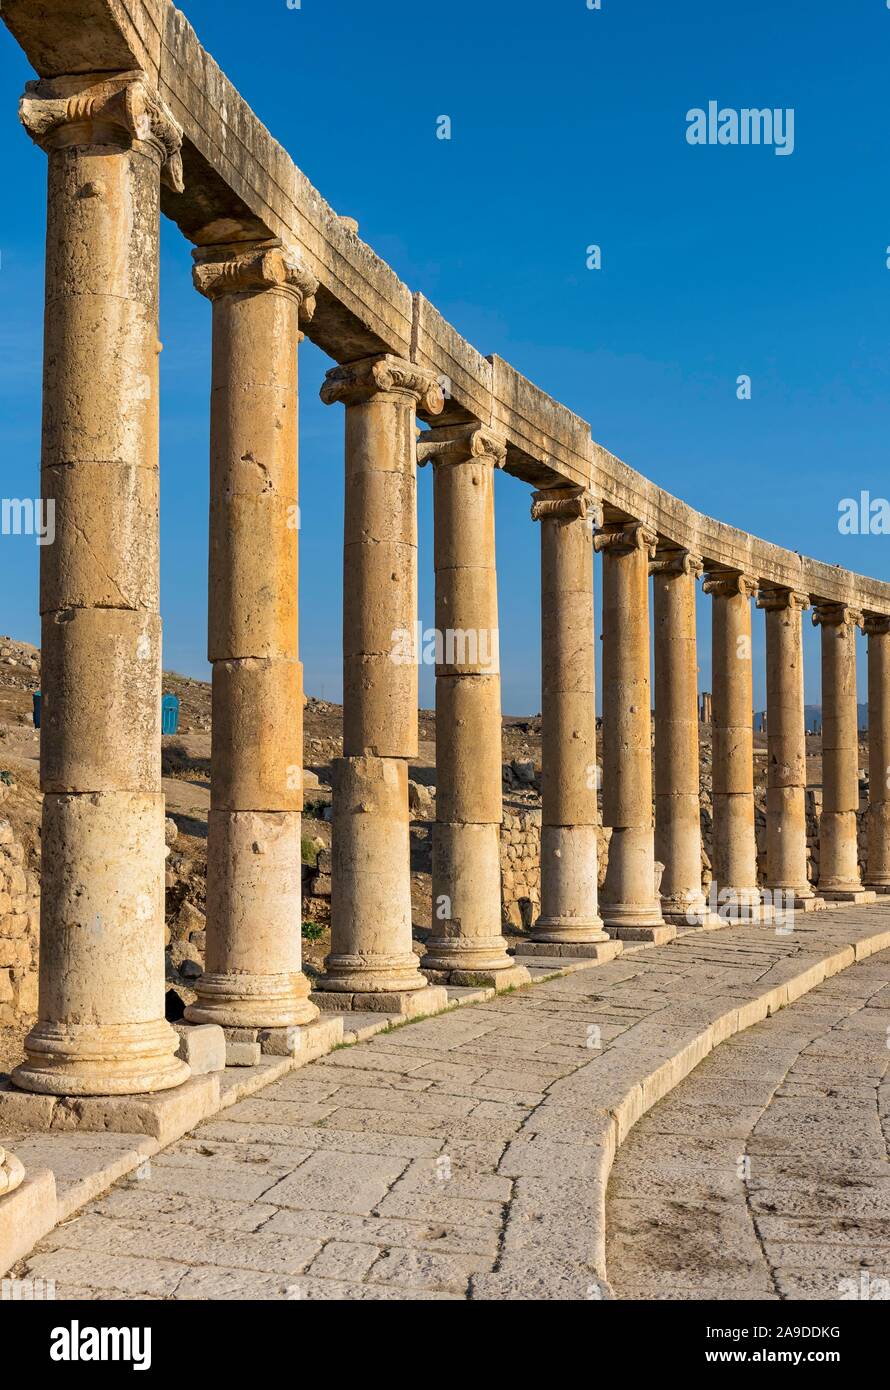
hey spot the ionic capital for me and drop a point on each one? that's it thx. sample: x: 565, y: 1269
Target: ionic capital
x: 249, y: 268
x: 12, y: 1172
x: 676, y: 562
x: 357, y: 382
x: 836, y: 615
x: 877, y: 624
x: 567, y: 504
x: 624, y: 537
x: 779, y: 600
x: 58, y: 112
x: 461, y: 444
x: 729, y: 584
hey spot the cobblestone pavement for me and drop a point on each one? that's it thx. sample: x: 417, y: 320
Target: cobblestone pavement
x: 462, y: 1156
x: 765, y: 1174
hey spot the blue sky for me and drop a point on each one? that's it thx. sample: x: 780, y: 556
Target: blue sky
x: 568, y: 129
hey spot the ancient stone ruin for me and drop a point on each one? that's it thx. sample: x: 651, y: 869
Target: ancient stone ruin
x: 136, y: 121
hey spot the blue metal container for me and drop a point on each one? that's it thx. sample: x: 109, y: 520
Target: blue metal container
x: 36, y: 704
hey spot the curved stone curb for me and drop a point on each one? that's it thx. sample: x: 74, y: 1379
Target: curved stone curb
x: 561, y: 1169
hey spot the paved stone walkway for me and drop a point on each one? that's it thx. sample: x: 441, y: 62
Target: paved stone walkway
x: 765, y: 1174
x: 461, y: 1156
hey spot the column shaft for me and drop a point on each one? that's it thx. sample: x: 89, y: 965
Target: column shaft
x: 838, y: 850
x: 569, y: 830
x: 371, y: 963
x: 466, y: 938
x: 101, y: 1027
x: 253, y: 976
x: 677, y: 804
x: 878, y: 629
x: 630, y: 894
x: 786, y: 813
x: 734, y: 844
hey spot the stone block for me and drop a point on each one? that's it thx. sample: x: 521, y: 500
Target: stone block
x: 25, y: 1217
x: 243, y: 1054
x: 162, y: 1115
x: 202, y: 1046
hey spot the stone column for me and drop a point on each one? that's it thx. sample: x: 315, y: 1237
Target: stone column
x: 466, y: 945
x: 706, y: 707
x: 734, y: 858
x: 629, y: 905
x: 101, y: 1027
x: 839, y: 877
x: 12, y: 1172
x: 253, y: 978
x: 878, y: 628
x: 786, y: 811
x: 372, y: 964
x: 677, y: 792
x: 569, y: 923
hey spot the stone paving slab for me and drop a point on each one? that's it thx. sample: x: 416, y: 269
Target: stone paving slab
x: 789, y: 1196
x: 460, y: 1156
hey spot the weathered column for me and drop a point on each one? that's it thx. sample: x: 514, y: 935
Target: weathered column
x: 253, y: 977
x: 101, y: 1027
x: 629, y: 905
x: 786, y: 811
x: 706, y: 707
x: 466, y: 945
x: 878, y: 871
x: 12, y: 1172
x: 677, y: 792
x: 839, y: 877
x: 734, y: 858
x: 569, y: 923
x: 372, y: 964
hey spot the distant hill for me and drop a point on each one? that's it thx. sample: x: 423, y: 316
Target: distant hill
x: 813, y: 718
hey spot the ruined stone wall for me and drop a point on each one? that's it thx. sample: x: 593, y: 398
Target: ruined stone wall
x: 521, y: 865
x: 19, y: 924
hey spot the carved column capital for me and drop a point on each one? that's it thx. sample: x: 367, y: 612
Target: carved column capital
x: 461, y: 444
x: 357, y: 382
x: 729, y: 584
x: 79, y: 110
x: 836, y: 615
x: 12, y: 1172
x: 676, y: 562
x: 623, y: 537
x: 778, y: 600
x: 567, y: 504
x: 877, y: 624
x: 249, y: 268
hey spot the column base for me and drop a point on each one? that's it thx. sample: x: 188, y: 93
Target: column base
x: 130, y: 1059
x: 600, y: 951
x: 514, y: 976
x: 849, y: 895
x: 12, y: 1172
x: 631, y: 922
x: 878, y: 888
x: 690, y: 911
x: 485, y: 955
x: 569, y: 930
x: 414, y: 1003
x: 237, y: 1000
x: 246, y: 1047
x: 659, y: 936
x: 370, y: 974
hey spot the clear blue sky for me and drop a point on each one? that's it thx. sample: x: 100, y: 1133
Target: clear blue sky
x: 568, y: 128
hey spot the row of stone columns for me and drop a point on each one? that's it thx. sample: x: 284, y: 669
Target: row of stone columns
x: 101, y: 1027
